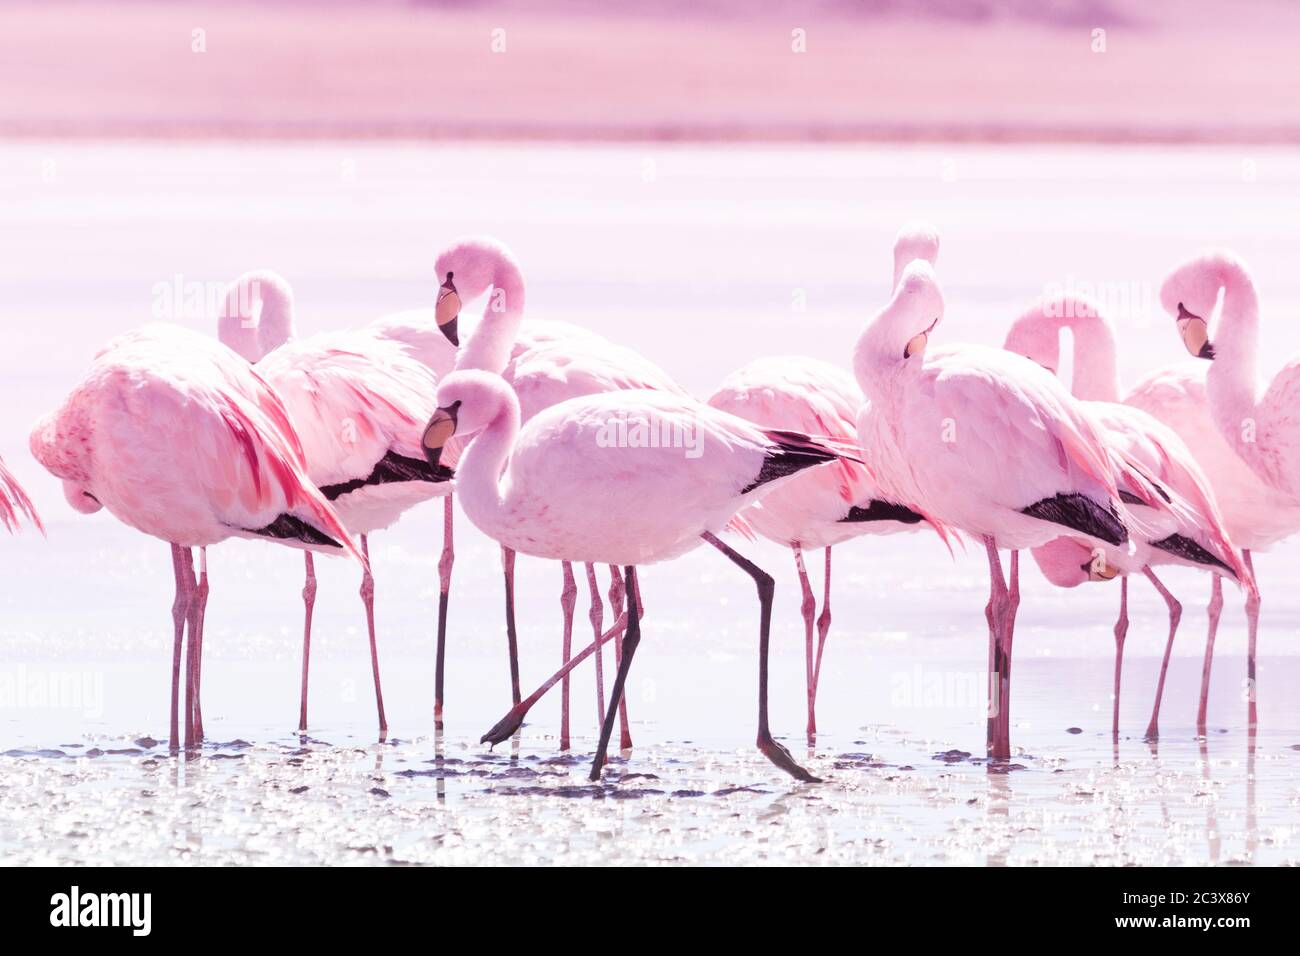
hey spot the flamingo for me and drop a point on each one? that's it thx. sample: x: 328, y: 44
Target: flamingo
x: 14, y: 503
x: 579, y: 483
x: 819, y: 398
x: 179, y: 438
x: 545, y: 362
x: 822, y: 507
x: 1162, y: 455
x: 1254, y: 418
x: 357, y: 400
x: 988, y: 443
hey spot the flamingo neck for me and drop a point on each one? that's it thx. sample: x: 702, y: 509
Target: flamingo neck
x: 482, y: 469
x: 493, y: 340
x: 1096, y: 365
x: 257, y: 316
x: 1232, y: 383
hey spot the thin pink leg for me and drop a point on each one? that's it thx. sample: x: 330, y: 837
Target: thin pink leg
x: 368, y: 599
x: 512, y: 640
x: 995, y: 613
x: 1008, y: 636
x: 191, y: 584
x: 634, y: 597
x: 1212, y: 610
x: 1121, y: 632
x: 616, y: 595
x: 510, y: 723
x: 444, y: 589
x: 823, y: 626
x: 597, y: 617
x: 568, y: 600
x: 1252, y: 633
x: 809, y: 610
x: 180, y: 611
x: 199, y: 615
x: 309, y: 603
x: 1175, y: 615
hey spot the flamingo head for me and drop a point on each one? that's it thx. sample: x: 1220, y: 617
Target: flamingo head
x: 1190, y: 294
x: 448, y: 309
x: 468, y: 401
x: 1036, y: 334
x: 1068, y: 562
x: 257, y: 314
x: 80, y: 499
x: 901, y: 331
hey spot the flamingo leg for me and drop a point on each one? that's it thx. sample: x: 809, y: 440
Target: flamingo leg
x: 809, y: 610
x: 771, y: 749
x: 823, y: 626
x: 512, y: 639
x: 309, y: 603
x: 1252, y: 632
x: 568, y: 599
x: 1175, y: 615
x: 631, y: 638
x: 199, y: 614
x: 625, y: 733
x: 444, y: 589
x: 180, y: 611
x: 995, y: 614
x: 191, y: 585
x: 511, y: 722
x: 597, y: 617
x: 368, y: 599
x: 616, y: 595
x: 1008, y: 635
x: 1213, y: 610
x: 1121, y: 632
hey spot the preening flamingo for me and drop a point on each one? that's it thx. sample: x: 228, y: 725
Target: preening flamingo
x: 822, y: 507
x: 546, y: 362
x: 571, y: 487
x: 179, y: 438
x: 14, y: 503
x: 1203, y: 543
x: 991, y: 444
x: 357, y: 400
x: 1255, y: 418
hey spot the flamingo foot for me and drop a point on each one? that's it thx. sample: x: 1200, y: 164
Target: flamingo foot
x: 777, y: 753
x: 504, y: 728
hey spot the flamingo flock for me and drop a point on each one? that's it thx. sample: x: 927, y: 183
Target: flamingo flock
x: 563, y: 446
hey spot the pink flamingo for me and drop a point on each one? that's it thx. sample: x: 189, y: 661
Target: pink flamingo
x: 14, y: 503
x: 546, y: 363
x: 180, y: 439
x: 570, y: 486
x: 1162, y: 456
x: 1255, y: 419
x: 819, y: 398
x: 357, y: 400
x: 989, y: 443
x: 822, y: 507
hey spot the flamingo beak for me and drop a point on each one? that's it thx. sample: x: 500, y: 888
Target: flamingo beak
x: 916, y: 344
x: 1195, y: 333
x: 447, y: 310
x: 1099, y: 569
x: 438, y: 432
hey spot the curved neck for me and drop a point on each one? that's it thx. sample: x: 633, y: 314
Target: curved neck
x: 493, y: 340
x: 1096, y: 366
x: 257, y: 316
x: 480, y: 474
x: 1232, y: 382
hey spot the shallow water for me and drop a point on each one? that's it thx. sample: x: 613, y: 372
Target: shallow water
x: 704, y: 259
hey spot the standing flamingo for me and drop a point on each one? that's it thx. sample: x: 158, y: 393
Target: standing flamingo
x: 822, y: 507
x: 545, y: 362
x: 177, y: 437
x: 14, y: 503
x: 1255, y: 418
x: 571, y: 487
x: 989, y: 443
x: 357, y: 400
x: 1162, y: 456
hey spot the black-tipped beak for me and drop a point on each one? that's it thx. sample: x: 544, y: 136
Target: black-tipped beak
x: 441, y: 427
x: 448, y: 310
x: 1195, y: 334
x: 1206, y: 352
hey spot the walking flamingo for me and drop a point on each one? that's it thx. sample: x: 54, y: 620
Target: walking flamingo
x: 989, y: 443
x: 1162, y: 456
x: 822, y: 507
x: 178, y: 438
x: 1255, y: 418
x: 14, y: 503
x: 565, y: 487
x: 545, y: 362
x: 357, y: 400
